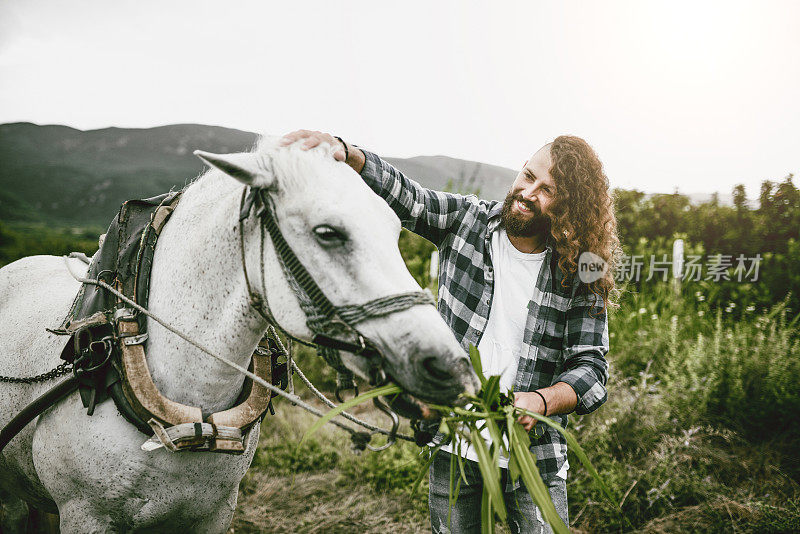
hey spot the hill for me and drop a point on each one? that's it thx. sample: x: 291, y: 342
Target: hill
x: 64, y: 176
x: 61, y: 175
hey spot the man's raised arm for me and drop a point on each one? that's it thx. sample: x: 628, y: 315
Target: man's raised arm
x: 431, y: 214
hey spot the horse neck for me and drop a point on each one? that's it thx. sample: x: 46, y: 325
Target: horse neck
x: 197, y: 285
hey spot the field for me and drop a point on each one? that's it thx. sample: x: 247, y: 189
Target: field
x: 696, y: 437
x: 700, y: 430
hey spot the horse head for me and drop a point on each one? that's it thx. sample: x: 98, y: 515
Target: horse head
x: 346, y: 238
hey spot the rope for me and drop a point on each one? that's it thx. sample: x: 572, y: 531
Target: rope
x: 292, y: 264
x: 317, y: 393
x: 346, y: 415
x: 255, y: 378
x: 314, y: 319
x: 356, y: 313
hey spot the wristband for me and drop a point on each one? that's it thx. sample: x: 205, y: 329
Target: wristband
x: 543, y: 400
x: 346, y: 153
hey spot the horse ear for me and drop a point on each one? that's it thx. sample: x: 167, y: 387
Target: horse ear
x: 247, y: 167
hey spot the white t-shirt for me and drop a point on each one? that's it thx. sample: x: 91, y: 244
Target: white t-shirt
x: 501, y: 344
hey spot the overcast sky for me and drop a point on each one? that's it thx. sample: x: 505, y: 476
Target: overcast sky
x: 697, y: 96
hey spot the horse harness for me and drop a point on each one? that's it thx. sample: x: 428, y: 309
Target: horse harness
x: 333, y: 326
x: 106, y: 352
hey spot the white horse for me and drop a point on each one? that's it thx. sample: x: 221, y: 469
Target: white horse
x: 91, y: 470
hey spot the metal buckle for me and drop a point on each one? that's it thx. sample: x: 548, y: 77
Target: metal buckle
x: 107, y: 344
x: 362, y: 344
x: 134, y: 340
x: 124, y: 314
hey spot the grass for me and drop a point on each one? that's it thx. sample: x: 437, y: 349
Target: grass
x: 697, y: 435
x: 323, y: 486
x: 697, y: 431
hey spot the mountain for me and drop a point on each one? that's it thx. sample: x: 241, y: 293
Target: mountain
x: 457, y: 175
x: 63, y: 176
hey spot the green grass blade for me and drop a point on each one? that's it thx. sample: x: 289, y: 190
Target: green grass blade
x: 572, y: 443
x: 457, y: 449
x: 793, y: 321
x: 455, y: 481
x: 473, y: 414
x: 513, y: 467
x: 490, y: 472
x: 491, y: 392
x: 533, y: 480
x: 424, y: 470
x: 461, y: 465
x: 388, y: 389
x: 487, y: 515
x: 475, y: 358
x: 497, y: 439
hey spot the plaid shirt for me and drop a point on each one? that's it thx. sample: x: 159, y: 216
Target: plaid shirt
x: 562, y: 342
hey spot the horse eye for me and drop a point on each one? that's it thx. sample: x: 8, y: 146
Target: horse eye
x: 327, y: 235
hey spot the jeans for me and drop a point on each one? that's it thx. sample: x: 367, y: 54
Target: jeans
x: 523, y: 515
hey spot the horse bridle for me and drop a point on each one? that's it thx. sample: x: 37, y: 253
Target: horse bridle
x: 332, y: 326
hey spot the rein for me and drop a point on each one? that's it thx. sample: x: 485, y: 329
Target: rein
x: 326, y: 321
x: 332, y: 326
x: 329, y: 323
x: 358, y: 437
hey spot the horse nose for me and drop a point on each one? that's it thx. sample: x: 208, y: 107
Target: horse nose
x: 452, y: 376
x: 437, y: 370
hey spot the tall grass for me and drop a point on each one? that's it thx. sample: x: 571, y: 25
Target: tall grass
x: 699, y: 431
x: 698, y: 434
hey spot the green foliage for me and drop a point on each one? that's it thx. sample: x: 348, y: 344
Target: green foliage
x: 18, y: 241
x: 490, y: 409
x: 648, y: 226
x: 394, y: 469
x: 309, y: 456
x: 494, y: 411
x: 416, y: 252
x: 778, y: 519
x: 732, y: 367
x: 697, y: 399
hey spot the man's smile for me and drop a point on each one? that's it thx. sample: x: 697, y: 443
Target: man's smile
x: 523, y: 207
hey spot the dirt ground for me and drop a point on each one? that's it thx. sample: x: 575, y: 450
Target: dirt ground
x: 316, y: 503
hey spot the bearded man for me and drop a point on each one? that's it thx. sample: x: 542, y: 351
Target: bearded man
x: 510, y: 284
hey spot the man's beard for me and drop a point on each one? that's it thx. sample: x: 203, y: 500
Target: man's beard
x: 517, y: 224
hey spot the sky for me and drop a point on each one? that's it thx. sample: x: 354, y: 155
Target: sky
x: 688, y: 96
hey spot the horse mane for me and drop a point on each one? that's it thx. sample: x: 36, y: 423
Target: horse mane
x: 297, y: 169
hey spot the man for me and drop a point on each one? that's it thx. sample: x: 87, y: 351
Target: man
x: 510, y: 284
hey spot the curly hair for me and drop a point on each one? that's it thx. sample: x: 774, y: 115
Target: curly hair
x: 582, y: 214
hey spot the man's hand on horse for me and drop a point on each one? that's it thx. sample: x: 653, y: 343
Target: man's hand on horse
x: 528, y: 400
x: 312, y: 139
